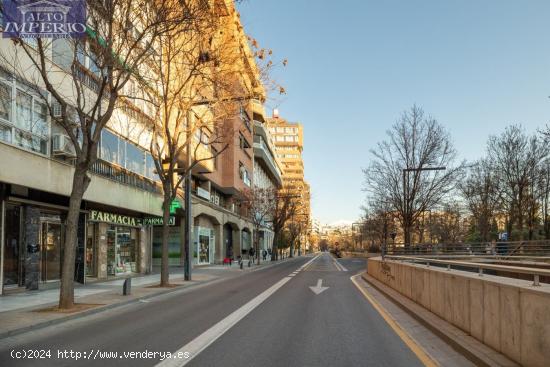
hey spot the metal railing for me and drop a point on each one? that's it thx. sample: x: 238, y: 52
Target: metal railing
x: 503, y: 250
x: 121, y: 175
x: 480, y: 266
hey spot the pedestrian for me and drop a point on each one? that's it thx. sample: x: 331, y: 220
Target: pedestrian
x: 251, y: 253
x: 264, y: 254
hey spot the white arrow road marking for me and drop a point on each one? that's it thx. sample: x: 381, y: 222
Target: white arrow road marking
x: 201, y: 342
x: 319, y: 287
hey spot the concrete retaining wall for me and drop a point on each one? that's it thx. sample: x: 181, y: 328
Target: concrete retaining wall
x: 358, y: 254
x: 509, y: 315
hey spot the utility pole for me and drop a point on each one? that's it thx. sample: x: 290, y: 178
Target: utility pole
x: 188, y: 217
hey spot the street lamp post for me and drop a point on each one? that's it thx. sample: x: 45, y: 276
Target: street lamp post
x: 406, y: 223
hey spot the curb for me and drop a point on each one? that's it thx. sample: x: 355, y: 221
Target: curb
x: 99, y: 309
x: 474, y: 350
x: 112, y: 306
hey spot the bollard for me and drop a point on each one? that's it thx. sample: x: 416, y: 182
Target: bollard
x: 127, y: 287
x: 241, y: 264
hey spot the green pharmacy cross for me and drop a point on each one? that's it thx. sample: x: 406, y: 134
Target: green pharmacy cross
x: 175, y: 204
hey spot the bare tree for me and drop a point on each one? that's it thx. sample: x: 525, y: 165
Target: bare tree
x: 415, y: 142
x: 518, y: 159
x: 481, y: 191
x: 295, y: 230
x: 196, y: 67
x: 543, y: 185
x: 377, y: 222
x: 81, y: 81
x: 447, y: 224
x: 285, y: 207
x: 260, y: 205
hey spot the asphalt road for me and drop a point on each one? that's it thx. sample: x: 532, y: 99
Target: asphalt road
x: 270, y: 317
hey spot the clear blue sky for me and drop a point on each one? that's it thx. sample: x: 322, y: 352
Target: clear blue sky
x: 355, y: 65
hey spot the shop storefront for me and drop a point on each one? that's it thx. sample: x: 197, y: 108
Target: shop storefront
x: 246, y: 241
x: 32, y: 243
x: 113, y: 244
x: 204, y: 250
x: 175, y: 240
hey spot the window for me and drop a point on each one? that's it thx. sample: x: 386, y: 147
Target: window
x: 5, y: 101
x: 136, y: 159
x: 62, y: 53
x: 215, y: 158
x: 24, y: 110
x: 5, y: 133
x: 243, y: 174
x: 150, y: 167
x: 27, y: 126
x: 243, y: 143
x: 40, y: 118
x: 30, y: 142
x: 109, y: 146
x: 94, y: 64
x: 80, y: 53
x: 121, y: 152
x: 32, y: 114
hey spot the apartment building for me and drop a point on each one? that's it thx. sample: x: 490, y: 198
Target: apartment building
x: 120, y: 215
x: 267, y: 169
x: 289, y: 143
x: 221, y: 225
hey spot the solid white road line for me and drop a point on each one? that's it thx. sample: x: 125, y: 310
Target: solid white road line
x: 339, y: 266
x: 197, y: 345
x: 342, y: 266
x: 201, y: 342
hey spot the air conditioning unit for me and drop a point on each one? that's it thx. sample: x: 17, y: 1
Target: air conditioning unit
x: 62, y: 146
x: 71, y: 113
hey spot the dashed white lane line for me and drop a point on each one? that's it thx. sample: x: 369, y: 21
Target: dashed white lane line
x: 342, y: 266
x: 200, y: 343
x: 339, y: 266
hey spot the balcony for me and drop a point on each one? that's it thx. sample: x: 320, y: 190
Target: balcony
x: 258, y: 110
x: 123, y: 176
x: 263, y: 152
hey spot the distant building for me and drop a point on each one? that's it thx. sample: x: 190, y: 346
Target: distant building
x: 288, y: 138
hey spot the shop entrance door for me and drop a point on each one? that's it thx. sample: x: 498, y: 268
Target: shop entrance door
x: 204, y: 249
x: 13, y: 260
x: 50, y: 264
x: 228, y: 236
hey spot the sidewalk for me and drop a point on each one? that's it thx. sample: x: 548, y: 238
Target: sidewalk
x: 20, y: 312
